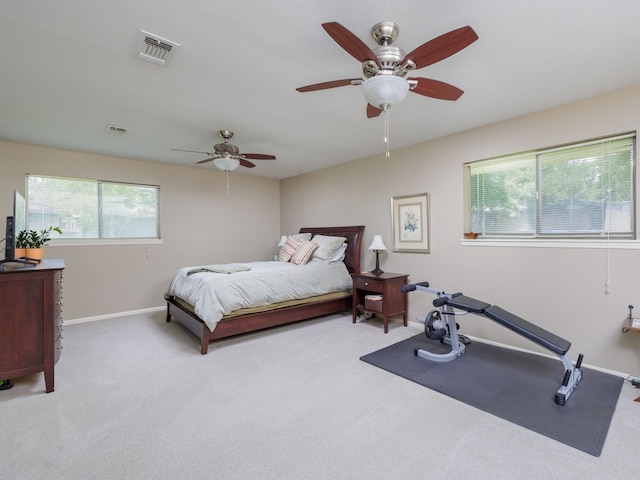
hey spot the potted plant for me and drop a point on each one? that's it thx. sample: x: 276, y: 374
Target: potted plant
x: 22, y: 242
x: 36, y: 240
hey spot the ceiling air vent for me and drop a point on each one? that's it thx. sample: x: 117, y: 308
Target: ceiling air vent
x: 155, y: 49
x: 116, y: 129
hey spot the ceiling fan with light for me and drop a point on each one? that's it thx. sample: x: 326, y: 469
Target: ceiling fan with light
x: 227, y: 157
x: 386, y: 67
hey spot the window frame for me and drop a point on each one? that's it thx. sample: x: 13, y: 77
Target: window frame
x: 538, y: 237
x: 100, y: 240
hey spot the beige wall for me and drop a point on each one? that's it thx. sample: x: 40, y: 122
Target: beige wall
x: 200, y: 225
x: 560, y: 289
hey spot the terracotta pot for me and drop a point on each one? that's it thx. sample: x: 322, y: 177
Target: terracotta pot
x: 34, y: 253
x: 19, y: 252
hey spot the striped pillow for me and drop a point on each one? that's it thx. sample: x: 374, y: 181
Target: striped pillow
x: 304, y: 252
x: 287, y: 250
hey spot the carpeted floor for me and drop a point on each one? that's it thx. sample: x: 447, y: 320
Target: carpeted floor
x: 134, y: 399
x: 513, y: 385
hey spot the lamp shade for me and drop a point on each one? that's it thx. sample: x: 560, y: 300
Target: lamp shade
x: 226, y: 164
x: 383, y: 91
x: 283, y: 240
x: 377, y: 244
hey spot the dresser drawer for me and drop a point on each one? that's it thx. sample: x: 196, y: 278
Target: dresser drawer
x: 371, y: 284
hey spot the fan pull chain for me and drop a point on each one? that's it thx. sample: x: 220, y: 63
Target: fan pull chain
x: 227, y: 172
x: 385, y: 111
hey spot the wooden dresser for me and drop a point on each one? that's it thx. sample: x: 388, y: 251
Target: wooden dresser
x: 31, y: 320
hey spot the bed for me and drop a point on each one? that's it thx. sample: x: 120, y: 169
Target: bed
x: 250, y: 319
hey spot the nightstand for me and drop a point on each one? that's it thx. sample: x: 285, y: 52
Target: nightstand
x: 386, y: 285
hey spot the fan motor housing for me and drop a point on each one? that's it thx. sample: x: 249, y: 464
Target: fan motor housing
x: 226, y: 148
x: 389, y: 58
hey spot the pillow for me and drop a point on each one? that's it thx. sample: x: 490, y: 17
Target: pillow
x: 298, y: 237
x: 327, y: 246
x: 287, y: 250
x: 304, y: 252
x: 340, y: 254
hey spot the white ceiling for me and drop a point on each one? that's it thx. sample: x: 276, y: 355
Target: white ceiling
x: 68, y: 68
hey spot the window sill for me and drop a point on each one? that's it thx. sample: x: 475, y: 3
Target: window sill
x: 553, y: 243
x: 86, y: 242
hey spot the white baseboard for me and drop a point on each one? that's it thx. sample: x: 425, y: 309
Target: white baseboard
x: 114, y: 315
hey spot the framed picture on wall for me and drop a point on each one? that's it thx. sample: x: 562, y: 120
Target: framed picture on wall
x: 410, y: 219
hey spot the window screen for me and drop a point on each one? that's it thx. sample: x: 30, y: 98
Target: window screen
x: 580, y: 190
x: 93, y: 209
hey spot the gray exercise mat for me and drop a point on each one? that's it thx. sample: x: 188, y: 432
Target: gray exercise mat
x: 513, y: 385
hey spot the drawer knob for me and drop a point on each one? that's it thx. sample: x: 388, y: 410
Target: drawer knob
x: 366, y: 284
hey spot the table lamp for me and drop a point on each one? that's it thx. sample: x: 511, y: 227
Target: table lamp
x: 376, y: 246
x: 283, y: 240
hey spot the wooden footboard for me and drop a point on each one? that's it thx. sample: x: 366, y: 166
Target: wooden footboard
x: 251, y: 322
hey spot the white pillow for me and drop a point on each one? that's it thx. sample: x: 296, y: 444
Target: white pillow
x: 327, y: 246
x: 340, y: 254
x: 298, y: 237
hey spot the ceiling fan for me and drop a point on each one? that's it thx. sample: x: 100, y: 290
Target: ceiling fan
x: 386, y: 67
x: 387, y: 63
x: 227, y: 157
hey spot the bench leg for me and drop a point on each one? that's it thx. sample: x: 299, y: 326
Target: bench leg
x: 452, y: 338
x: 572, y: 377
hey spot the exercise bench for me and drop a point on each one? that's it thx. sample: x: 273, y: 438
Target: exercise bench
x: 441, y: 325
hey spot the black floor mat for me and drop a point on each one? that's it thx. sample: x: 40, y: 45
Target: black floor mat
x: 513, y: 385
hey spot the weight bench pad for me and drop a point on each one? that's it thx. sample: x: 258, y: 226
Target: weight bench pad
x: 467, y: 303
x: 538, y: 335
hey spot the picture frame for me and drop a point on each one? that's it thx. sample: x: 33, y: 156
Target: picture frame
x: 410, y: 220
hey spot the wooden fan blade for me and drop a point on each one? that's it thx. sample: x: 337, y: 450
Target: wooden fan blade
x: 191, y: 151
x: 205, y: 161
x: 331, y: 84
x: 258, y: 156
x: 442, y: 47
x: 436, y: 89
x: 349, y: 42
x: 246, y: 163
x: 372, y: 111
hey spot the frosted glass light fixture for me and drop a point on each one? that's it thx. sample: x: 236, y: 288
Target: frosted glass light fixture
x: 226, y: 164
x: 376, y: 246
x: 383, y: 92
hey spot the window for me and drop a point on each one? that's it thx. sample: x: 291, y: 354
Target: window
x: 584, y: 190
x: 93, y: 209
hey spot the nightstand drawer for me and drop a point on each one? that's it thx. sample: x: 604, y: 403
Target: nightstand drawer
x: 372, y: 284
x: 373, y: 305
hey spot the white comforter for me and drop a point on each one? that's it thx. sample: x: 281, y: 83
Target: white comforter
x: 216, y: 294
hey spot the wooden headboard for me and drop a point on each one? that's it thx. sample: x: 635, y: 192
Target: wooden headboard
x: 353, y: 234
